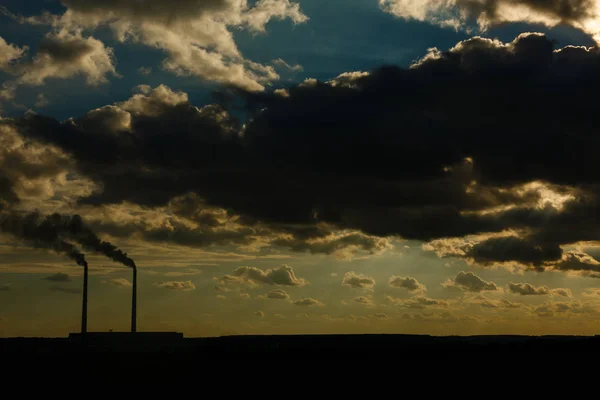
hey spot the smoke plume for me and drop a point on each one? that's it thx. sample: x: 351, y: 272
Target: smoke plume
x: 39, y: 233
x: 56, y: 232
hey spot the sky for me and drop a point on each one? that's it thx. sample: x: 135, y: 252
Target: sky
x: 300, y: 166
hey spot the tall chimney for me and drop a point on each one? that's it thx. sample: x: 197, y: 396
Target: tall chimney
x: 133, y: 301
x: 85, y: 300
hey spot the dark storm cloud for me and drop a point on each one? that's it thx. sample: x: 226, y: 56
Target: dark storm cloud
x: 566, y: 10
x: 416, y: 153
x: 483, y: 14
x: 505, y: 249
x: 64, y: 51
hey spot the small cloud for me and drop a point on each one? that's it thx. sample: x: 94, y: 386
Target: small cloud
x: 178, y: 286
x: 417, y: 302
x: 222, y: 289
x: 244, y: 295
x: 594, y: 292
x: 187, y: 272
x: 280, y: 316
x: 282, y: 92
x: 526, y: 289
x: 561, y: 292
x: 381, y: 316
x: 65, y: 290
x: 144, y: 89
x: 406, y: 282
x: 283, y: 64
x: 221, y: 297
x: 41, y: 101
x: 145, y: 71
x: 308, y: 302
x: 365, y: 300
x: 58, y: 277
x: 259, y: 314
x: 358, y: 281
x: 121, y: 282
x: 278, y: 294
x: 302, y: 315
x: 470, y: 282
x: 282, y: 276
x: 334, y: 274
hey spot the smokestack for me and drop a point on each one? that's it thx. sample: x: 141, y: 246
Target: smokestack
x: 85, y: 299
x: 133, y: 301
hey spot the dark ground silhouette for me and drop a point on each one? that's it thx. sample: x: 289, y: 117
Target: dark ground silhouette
x: 165, y: 347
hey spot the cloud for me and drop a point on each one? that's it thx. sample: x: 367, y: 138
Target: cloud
x: 562, y: 292
x: 504, y: 249
x: 186, y: 272
x: 552, y: 309
x: 145, y: 71
x: 408, y: 283
x: 66, y: 290
x: 121, y: 282
x: 308, y: 302
x: 259, y: 314
x: 283, y: 64
x: 483, y: 14
x: 41, y: 101
x: 358, y: 281
x: 496, y: 304
x: 278, y: 294
x: 365, y: 300
x: 526, y: 289
x: 196, y: 36
x: 595, y: 292
x: 418, y: 302
x: 58, y: 277
x: 178, y: 286
x: 283, y: 276
x: 9, y: 53
x: 63, y: 55
x: 435, y: 177
x: 382, y: 316
x: 470, y: 282
x: 578, y: 262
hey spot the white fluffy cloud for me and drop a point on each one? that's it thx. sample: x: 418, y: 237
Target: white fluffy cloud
x: 196, y: 35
